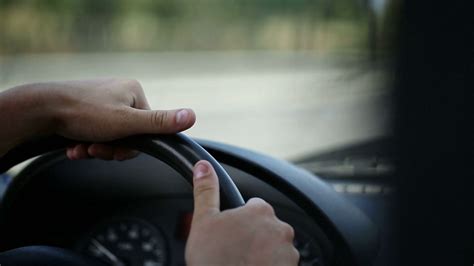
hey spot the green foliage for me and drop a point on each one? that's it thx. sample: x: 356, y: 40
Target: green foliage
x: 128, y: 25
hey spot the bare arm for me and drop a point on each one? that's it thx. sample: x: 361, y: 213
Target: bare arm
x: 23, y: 115
x: 90, y: 110
x: 102, y: 110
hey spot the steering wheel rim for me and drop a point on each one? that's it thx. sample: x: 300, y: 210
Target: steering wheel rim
x: 177, y: 150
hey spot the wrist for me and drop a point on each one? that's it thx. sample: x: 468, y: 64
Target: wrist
x: 39, y: 108
x: 26, y: 113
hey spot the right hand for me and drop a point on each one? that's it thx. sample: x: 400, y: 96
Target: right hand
x: 248, y: 235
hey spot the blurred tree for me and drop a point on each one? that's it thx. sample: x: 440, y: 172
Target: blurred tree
x: 92, y: 23
x: 127, y: 25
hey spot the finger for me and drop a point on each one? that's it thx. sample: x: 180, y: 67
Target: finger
x: 143, y: 103
x: 121, y: 154
x: 287, y: 255
x: 287, y: 231
x: 261, y: 206
x: 156, y: 121
x: 295, y: 255
x: 139, y: 99
x: 80, y: 151
x: 107, y: 152
x: 101, y: 151
x: 76, y: 152
x: 69, y: 153
x: 206, y: 190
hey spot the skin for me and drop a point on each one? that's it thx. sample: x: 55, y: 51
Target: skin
x: 86, y: 111
x: 95, y: 111
x: 248, y: 235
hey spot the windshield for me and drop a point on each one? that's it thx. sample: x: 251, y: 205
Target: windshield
x: 284, y: 77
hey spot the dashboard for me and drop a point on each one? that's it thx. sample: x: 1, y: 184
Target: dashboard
x: 139, y: 234
x: 138, y: 212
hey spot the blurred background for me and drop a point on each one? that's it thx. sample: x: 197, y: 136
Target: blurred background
x: 284, y: 77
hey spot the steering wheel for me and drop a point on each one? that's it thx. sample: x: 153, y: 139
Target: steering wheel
x: 177, y: 150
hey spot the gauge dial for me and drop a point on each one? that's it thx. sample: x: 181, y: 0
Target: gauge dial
x: 126, y: 242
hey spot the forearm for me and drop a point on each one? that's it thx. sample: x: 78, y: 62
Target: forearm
x: 24, y: 114
x: 92, y: 111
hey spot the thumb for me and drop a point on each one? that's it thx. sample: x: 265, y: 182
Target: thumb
x: 158, y: 121
x: 206, y: 190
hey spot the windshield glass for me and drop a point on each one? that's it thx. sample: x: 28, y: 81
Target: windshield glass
x: 284, y: 77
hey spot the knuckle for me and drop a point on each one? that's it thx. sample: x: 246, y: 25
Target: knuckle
x: 265, y: 208
x: 159, y: 119
x: 134, y: 89
x: 288, y: 232
x: 255, y: 201
x: 203, y: 189
x: 295, y: 254
x: 261, y: 206
x: 268, y: 209
x: 134, y: 84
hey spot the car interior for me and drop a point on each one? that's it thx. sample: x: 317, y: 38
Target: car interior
x: 382, y: 200
x: 99, y: 202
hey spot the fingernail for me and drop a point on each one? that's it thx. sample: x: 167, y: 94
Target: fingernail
x: 201, y: 170
x: 69, y: 154
x: 182, y: 116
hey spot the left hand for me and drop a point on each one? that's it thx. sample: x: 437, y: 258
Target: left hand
x: 104, y: 110
x: 89, y: 111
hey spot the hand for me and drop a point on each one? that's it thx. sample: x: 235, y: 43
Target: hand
x: 249, y: 235
x: 91, y: 111
x: 103, y: 110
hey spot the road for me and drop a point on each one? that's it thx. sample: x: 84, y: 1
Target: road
x: 283, y: 104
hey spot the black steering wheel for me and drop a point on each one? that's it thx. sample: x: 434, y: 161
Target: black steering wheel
x: 177, y: 150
